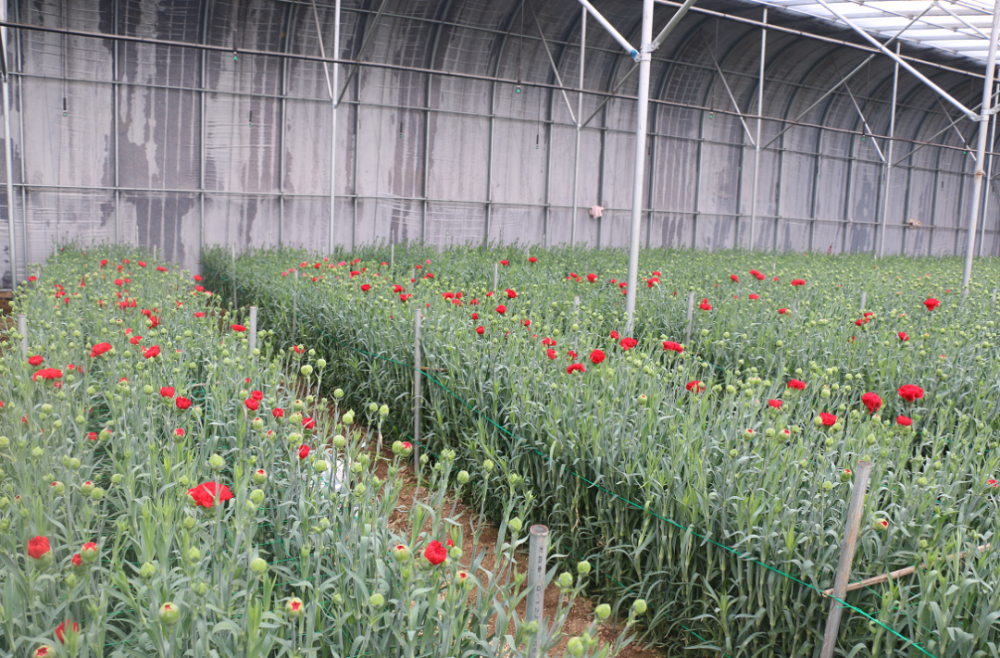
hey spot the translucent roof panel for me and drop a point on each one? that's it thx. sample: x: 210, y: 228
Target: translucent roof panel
x: 961, y: 27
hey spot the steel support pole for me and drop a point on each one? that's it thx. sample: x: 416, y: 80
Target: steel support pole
x: 579, y: 127
x: 984, y: 113
x: 888, y: 159
x: 989, y: 178
x: 538, y: 542
x: 640, y: 161
x: 760, y: 113
x: 416, y: 393
x: 22, y: 328
x: 7, y: 152
x: 332, y: 86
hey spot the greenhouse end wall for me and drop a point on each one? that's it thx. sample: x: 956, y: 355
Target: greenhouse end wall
x: 453, y: 130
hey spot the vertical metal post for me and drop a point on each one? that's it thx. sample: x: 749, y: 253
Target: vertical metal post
x: 760, y: 113
x: 579, y: 127
x: 984, y: 115
x: 392, y: 257
x: 115, y: 101
x: 496, y: 275
x: 295, y: 304
x: 989, y: 178
x: 888, y: 159
x: 233, y: 249
x: 864, y: 300
x: 332, y: 86
x: 7, y: 149
x: 576, y: 303
x: 22, y: 328
x: 538, y: 544
x: 253, y: 330
x: 204, y: 125
x: 855, y: 511
x: 687, y: 341
x: 416, y: 391
x: 640, y: 161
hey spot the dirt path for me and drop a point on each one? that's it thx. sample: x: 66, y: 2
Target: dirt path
x: 580, y: 615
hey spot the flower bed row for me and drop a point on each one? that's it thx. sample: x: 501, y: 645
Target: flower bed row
x: 165, y: 492
x: 710, y: 477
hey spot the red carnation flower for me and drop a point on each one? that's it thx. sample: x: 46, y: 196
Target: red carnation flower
x: 35, y: 360
x: 592, y: 278
x: 135, y: 340
x: 532, y: 260
x: 775, y: 404
x: 798, y: 385
x: 795, y: 282
x: 501, y: 309
x: 705, y: 306
x: 931, y: 303
x: 672, y: 346
x: 511, y: 294
x: 99, y: 349
x: 480, y: 330
x: 872, y: 401
x: 152, y: 352
x: 575, y: 367
x: 61, y: 630
x: 257, y: 395
x: 504, y: 263
x: 782, y: 311
x: 182, y: 403
x: 904, y: 421
x: 199, y: 314
x: 903, y: 337
x: 303, y: 451
x: 207, y: 493
x: 828, y: 419
x: 551, y: 353
x: 278, y: 413
x: 251, y: 404
x: 753, y: 295
x: 695, y: 386
x: 167, y: 391
x: 365, y: 287
x: 628, y: 343
x: 47, y: 373
x: 911, y: 392
x: 596, y: 357
x: 239, y: 328
x: 735, y: 278
x: 435, y: 552
x: 37, y: 547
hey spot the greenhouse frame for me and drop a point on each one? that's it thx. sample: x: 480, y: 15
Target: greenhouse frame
x: 326, y: 123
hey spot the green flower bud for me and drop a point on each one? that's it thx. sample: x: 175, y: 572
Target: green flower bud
x: 97, y: 493
x: 488, y: 465
x: 372, y: 407
x: 348, y: 418
x: 259, y: 476
x: 320, y: 466
x: 293, y: 607
x: 339, y: 441
x: 338, y: 393
x: 320, y: 363
x: 258, y: 565
x: 376, y: 600
x: 194, y: 555
x: 515, y: 525
x: 603, y: 611
x: 583, y: 567
x: 189, y: 522
x: 401, y: 553
x: 58, y: 488
x: 383, y: 410
x: 147, y: 571
x: 216, y: 462
x: 306, y: 370
x: 639, y: 607
x: 169, y: 614
x: 565, y: 580
x: 257, y: 496
x: 463, y: 477
x: 117, y: 478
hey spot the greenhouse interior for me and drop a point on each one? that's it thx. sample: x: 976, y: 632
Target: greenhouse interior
x: 656, y: 328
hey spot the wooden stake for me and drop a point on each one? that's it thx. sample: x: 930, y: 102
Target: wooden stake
x: 855, y: 510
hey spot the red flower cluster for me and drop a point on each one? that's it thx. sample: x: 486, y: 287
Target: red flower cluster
x: 628, y: 343
x: 435, y: 552
x: 911, y: 392
x: 672, y: 346
x: 757, y: 275
x: 99, y: 349
x: 705, y: 306
x: 872, y: 401
x: 798, y: 385
x: 695, y: 386
x: 795, y: 282
x: 574, y: 367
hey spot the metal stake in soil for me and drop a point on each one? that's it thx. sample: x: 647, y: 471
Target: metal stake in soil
x: 537, y: 550
x: 416, y: 394
x: 496, y: 275
x: 864, y: 300
x: 855, y: 510
x: 22, y: 328
x: 253, y: 330
x: 687, y: 341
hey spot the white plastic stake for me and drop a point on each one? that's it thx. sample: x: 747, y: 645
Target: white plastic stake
x: 576, y: 303
x: 855, y: 510
x: 994, y: 298
x: 233, y: 249
x: 690, y: 318
x: 392, y: 256
x: 295, y: 304
x: 253, y: 329
x: 864, y: 299
x: 22, y: 328
x: 496, y: 275
x: 154, y: 252
x: 416, y: 391
x: 537, y: 554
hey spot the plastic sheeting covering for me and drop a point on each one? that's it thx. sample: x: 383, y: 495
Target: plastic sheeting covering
x: 158, y: 144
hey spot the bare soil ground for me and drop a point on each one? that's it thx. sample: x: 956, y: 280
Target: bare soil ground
x: 580, y: 615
